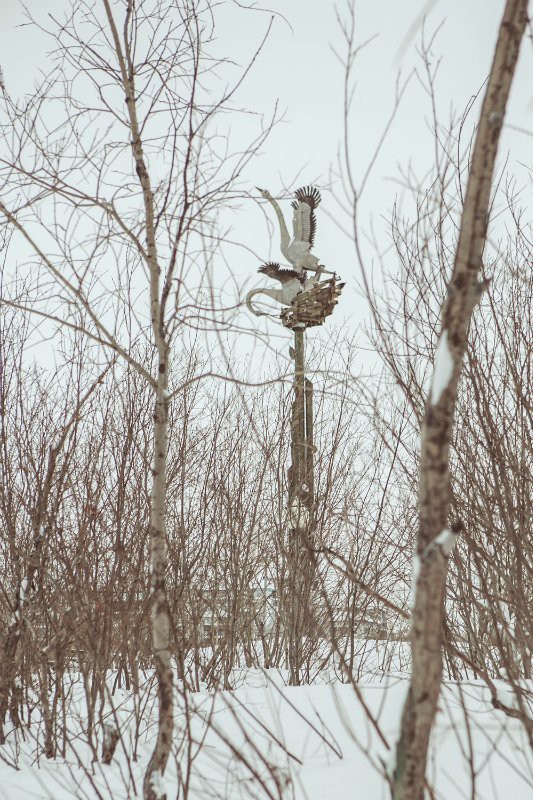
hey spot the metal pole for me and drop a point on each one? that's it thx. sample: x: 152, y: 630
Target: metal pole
x: 309, y: 450
x: 301, y: 507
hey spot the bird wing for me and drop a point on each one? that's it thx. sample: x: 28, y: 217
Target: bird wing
x: 273, y: 270
x: 304, y: 220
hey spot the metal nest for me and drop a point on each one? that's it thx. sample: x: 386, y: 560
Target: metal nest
x: 311, y: 308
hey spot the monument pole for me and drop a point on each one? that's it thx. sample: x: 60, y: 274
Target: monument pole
x: 307, y: 303
x: 301, y: 510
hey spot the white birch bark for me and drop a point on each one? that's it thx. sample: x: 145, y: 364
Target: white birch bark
x: 435, y: 540
x: 159, y: 606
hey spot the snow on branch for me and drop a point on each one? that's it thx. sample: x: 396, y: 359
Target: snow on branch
x: 157, y: 784
x: 23, y: 590
x: 442, y: 368
x: 446, y: 541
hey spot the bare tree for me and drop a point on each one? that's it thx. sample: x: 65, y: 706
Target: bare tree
x: 109, y: 181
x: 438, y: 528
x: 436, y: 536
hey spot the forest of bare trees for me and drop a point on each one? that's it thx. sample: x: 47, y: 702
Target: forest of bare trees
x: 146, y: 561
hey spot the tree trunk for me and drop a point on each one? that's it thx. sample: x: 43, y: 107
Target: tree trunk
x: 435, y: 540
x: 160, y: 611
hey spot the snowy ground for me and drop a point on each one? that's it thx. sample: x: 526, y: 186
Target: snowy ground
x: 268, y: 740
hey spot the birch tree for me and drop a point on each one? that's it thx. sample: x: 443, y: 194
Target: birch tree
x: 108, y: 178
x: 438, y: 528
x: 436, y: 534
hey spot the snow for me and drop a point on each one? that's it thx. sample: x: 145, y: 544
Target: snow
x: 23, y: 589
x: 299, y: 514
x: 442, y: 368
x: 446, y: 541
x: 267, y: 739
x: 157, y: 784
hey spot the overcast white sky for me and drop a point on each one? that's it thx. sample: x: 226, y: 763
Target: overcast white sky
x: 299, y: 70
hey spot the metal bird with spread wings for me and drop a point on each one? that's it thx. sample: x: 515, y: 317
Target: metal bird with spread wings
x: 297, y: 250
x: 292, y: 283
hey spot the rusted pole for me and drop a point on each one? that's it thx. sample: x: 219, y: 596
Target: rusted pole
x: 309, y: 449
x: 301, y: 509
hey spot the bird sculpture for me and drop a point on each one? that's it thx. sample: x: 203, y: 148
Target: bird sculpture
x: 292, y: 283
x: 297, y: 250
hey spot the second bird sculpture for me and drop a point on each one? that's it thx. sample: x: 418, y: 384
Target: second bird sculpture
x: 291, y: 285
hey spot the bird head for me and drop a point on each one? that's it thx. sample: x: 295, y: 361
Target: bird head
x: 264, y: 193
